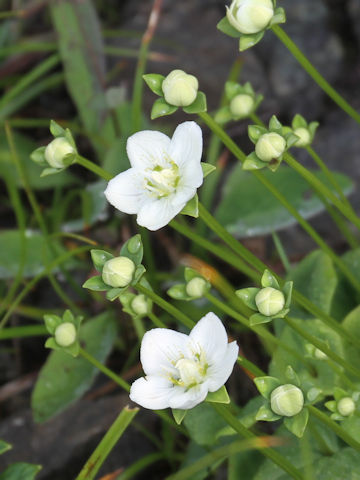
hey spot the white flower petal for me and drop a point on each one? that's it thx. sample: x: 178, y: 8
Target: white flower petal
x: 156, y: 213
x: 152, y: 392
x: 186, y: 399
x: 147, y: 148
x: 218, y: 374
x: 160, y: 349
x: 209, y: 335
x: 126, y: 192
x: 186, y: 145
x: 182, y: 196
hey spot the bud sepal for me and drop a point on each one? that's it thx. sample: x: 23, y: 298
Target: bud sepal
x: 269, y: 302
x: 286, y: 400
x: 270, y: 145
x: 60, y: 153
x: 344, y: 405
x: 242, y: 102
x: 137, y: 305
x: 249, y: 22
x: 117, y: 274
x: 196, y: 286
x: 64, y: 331
x: 303, y: 130
x: 176, y: 90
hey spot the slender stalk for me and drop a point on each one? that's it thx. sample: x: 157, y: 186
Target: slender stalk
x: 21, y: 332
x: 281, y: 252
x: 84, y: 162
x: 340, y: 432
x: 184, y: 319
x: 156, y: 321
x: 144, y: 462
x: 311, y: 70
x: 270, y: 453
x: 107, y: 443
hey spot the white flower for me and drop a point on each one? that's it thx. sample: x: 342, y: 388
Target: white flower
x: 163, y: 177
x: 181, y: 369
x: 250, y: 16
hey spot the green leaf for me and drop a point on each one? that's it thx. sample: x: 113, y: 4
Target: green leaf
x: 297, y: 423
x: 266, y: 385
x: 351, y: 324
x: 247, y: 295
x: 133, y: 249
x: 154, y: 82
x: 64, y: 379
x: 274, y: 124
x: 232, y: 89
x: 38, y: 156
x: 352, y: 426
x: 178, y: 292
x: 179, y: 415
x: 225, y: 27
x: 252, y: 162
x: 50, y: 171
x: 56, y: 129
x: 96, y: 283
x: 20, y: 471
x: 207, y: 168
x: 199, y: 105
x: 255, y: 132
x: 220, y: 396
x: 203, y: 423
x: 342, y: 465
x: 248, y: 41
x: 51, y: 322
x: 248, y: 209
x: 82, y: 52
x: 4, y: 446
x: 190, y: 273
x: 139, y: 272
x: 268, y: 280
x: 161, y: 108
x: 299, y: 122
x: 192, y: 207
x: 37, y: 254
x: 99, y: 258
x: 24, y: 149
x: 265, y: 414
x: 331, y: 405
x: 258, y: 319
x: 114, y: 293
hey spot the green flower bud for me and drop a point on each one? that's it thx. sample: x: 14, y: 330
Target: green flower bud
x: 179, y: 88
x: 56, y: 151
x: 270, y: 145
x: 304, y: 137
x: 242, y: 105
x: 269, y: 301
x: 346, y: 406
x: 196, y: 287
x: 250, y: 16
x: 287, y: 400
x: 319, y: 354
x: 65, y: 334
x: 118, y: 271
x: 140, y: 304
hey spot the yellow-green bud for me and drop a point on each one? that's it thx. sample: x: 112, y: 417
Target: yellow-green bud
x: 65, y: 334
x: 270, y: 145
x: 180, y: 89
x: 242, y: 105
x: 346, y: 406
x: 56, y: 151
x: 140, y: 304
x: 304, y: 137
x: 118, y: 272
x: 196, y: 287
x: 287, y: 400
x: 250, y: 16
x: 320, y: 355
x: 269, y: 301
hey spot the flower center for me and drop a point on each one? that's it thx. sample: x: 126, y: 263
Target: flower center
x: 190, y: 371
x: 162, y: 181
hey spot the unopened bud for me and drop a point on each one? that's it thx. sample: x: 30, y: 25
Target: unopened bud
x: 180, y: 89
x: 304, y: 137
x: 118, y: 272
x: 269, y: 301
x: 196, y: 287
x: 346, y: 406
x: 287, y: 400
x: 270, y: 145
x: 65, y: 334
x: 140, y: 305
x: 250, y: 16
x: 242, y: 105
x: 319, y: 354
x: 56, y: 151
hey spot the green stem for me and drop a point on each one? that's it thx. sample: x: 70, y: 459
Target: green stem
x: 21, y: 332
x: 144, y: 462
x: 281, y: 252
x: 156, y: 321
x: 107, y: 443
x: 340, y: 432
x: 84, y: 162
x: 184, y: 319
x: 270, y: 453
x: 311, y: 70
